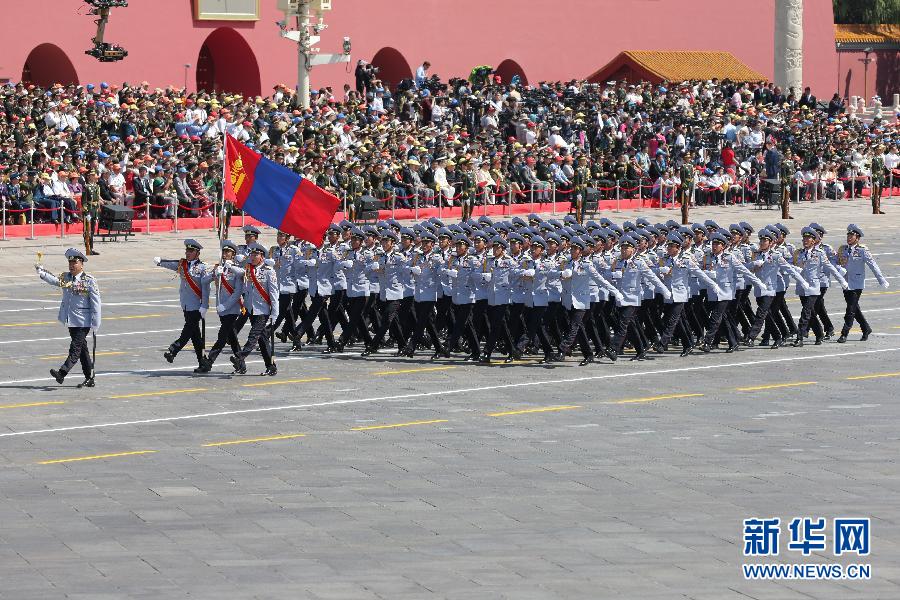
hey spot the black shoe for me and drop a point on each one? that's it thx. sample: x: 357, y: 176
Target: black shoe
x: 798, y: 343
x: 440, y: 354
x: 169, y: 356
x: 731, y: 348
x: 687, y: 351
x: 818, y: 342
x: 270, y: 371
x: 764, y: 343
x: 639, y: 356
x: 240, y: 367
x: 58, y: 375
x: 749, y: 342
x: 704, y: 347
x: 369, y: 351
x: 777, y: 344
x: 328, y: 350
x: 203, y: 368
x: 548, y: 359
x: 829, y: 334
x: 509, y: 359
x: 611, y: 354
x: 89, y: 382
x: 281, y: 336
x: 865, y: 335
x: 659, y: 348
x: 338, y: 348
x: 472, y: 357
x: 484, y: 360
x: 586, y: 361
x: 94, y: 253
x: 297, y: 346
x: 842, y: 339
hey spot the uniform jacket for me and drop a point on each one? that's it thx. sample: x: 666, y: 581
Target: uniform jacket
x: 536, y: 276
x: 284, y: 267
x: 812, y: 263
x: 229, y: 303
x: 462, y: 271
x: 393, y: 271
x: 254, y: 301
x: 80, y: 306
x: 500, y: 279
x: 194, y: 276
x: 308, y: 267
x: 630, y: 276
x: 301, y: 269
x: 724, y: 268
x: 578, y: 276
x: 356, y: 272
x: 427, y: 270
x: 677, y: 273
x: 772, y: 268
x: 855, y: 259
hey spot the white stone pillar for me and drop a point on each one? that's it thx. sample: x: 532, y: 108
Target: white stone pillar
x: 789, y: 44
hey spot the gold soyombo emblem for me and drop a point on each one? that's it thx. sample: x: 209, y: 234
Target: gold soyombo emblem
x: 238, y: 175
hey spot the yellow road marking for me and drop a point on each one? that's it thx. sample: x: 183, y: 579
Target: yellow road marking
x: 422, y: 370
x: 104, y: 318
x: 775, y: 385
x: 286, y: 381
x: 531, y: 410
x: 367, y: 427
x: 874, y: 376
x: 259, y: 439
x: 32, y: 404
x: 159, y: 393
x: 58, y: 356
x: 654, y: 398
x: 97, y: 457
x: 161, y: 287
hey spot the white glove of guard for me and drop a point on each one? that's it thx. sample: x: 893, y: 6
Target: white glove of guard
x: 566, y: 273
x: 220, y: 308
x: 452, y: 273
x: 157, y: 260
x: 619, y: 296
x: 347, y: 264
x: 203, y: 310
x: 667, y: 294
x: 269, y: 262
x: 219, y: 270
x: 38, y: 268
x: 719, y: 291
x: 886, y: 285
x: 529, y: 273
x: 240, y: 258
x: 415, y: 270
x: 271, y: 321
x: 486, y: 277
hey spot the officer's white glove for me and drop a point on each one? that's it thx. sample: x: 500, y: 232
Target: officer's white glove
x: 228, y: 263
x: 240, y: 258
x: 486, y: 277
x: 885, y: 285
x: 719, y: 291
x: 809, y: 290
x: 415, y: 270
x: 619, y: 296
x: 220, y: 308
x: 269, y: 262
x: 667, y: 294
x: 347, y: 264
x: 844, y: 286
x: 452, y: 273
x: 157, y: 260
x: 616, y: 274
x: 219, y: 270
x: 271, y: 321
x: 203, y: 312
x: 566, y: 273
x: 529, y: 273
x: 664, y: 270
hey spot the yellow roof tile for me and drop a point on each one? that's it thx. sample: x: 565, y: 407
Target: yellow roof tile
x: 866, y: 34
x: 679, y: 65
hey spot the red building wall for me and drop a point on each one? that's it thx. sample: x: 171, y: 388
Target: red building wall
x: 559, y: 40
x: 883, y: 77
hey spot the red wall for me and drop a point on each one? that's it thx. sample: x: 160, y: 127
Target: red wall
x: 883, y: 77
x: 561, y: 40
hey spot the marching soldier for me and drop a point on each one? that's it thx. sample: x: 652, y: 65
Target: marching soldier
x: 229, y: 305
x: 427, y: 269
x: 812, y: 261
x: 194, y: 299
x: 355, y: 267
x: 261, y: 303
x: 788, y: 169
x: 79, y: 311
x: 855, y: 257
x: 90, y: 211
x: 877, y: 179
x: 284, y: 254
x: 251, y: 236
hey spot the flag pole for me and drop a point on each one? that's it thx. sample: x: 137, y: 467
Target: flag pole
x: 224, y: 175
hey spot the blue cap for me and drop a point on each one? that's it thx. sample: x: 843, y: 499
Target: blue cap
x: 388, y: 234
x: 851, y: 228
x: 486, y: 220
x: 229, y: 245
x: 570, y: 219
x: 251, y: 229
x: 445, y: 232
x: 747, y: 226
x: 736, y: 228
x: 519, y: 222
x: 810, y: 232
x: 480, y: 235
x: 710, y: 224
x: 578, y: 243
x: 818, y: 228
x: 698, y: 228
x: 515, y: 237
x: 499, y: 241
x: 334, y: 228
x: 75, y: 254
x: 193, y: 244
x: 628, y: 226
x: 428, y: 236
x: 461, y: 239
x: 766, y: 233
x: 718, y: 237
x: 628, y: 240
x: 674, y: 238
x: 358, y: 233
x: 538, y: 241
x: 407, y: 233
x: 642, y: 222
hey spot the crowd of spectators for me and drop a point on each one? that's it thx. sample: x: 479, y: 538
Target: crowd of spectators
x: 425, y: 140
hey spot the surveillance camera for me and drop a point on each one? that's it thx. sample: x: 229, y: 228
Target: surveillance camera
x: 347, y: 45
x: 281, y: 24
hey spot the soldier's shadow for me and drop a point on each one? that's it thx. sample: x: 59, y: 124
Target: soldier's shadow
x: 38, y: 388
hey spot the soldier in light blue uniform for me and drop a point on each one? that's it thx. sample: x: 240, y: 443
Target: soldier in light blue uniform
x: 578, y: 275
x: 537, y: 272
x: 303, y: 250
x: 498, y: 276
x: 462, y: 269
x: 855, y: 257
x: 392, y: 268
x: 812, y: 263
x: 261, y: 303
x: 229, y: 306
x: 356, y: 271
x: 193, y: 293
x: 285, y: 255
x: 79, y: 311
x: 426, y: 268
x: 337, y: 303
x: 819, y: 310
x: 320, y: 266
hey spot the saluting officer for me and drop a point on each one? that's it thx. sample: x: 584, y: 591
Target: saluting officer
x: 79, y: 311
x: 229, y: 305
x: 193, y: 296
x: 261, y: 302
x: 855, y: 257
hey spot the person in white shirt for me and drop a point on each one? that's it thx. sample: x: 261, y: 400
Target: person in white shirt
x: 116, y: 184
x: 555, y: 140
x: 489, y: 120
x: 485, y: 182
x: 440, y: 180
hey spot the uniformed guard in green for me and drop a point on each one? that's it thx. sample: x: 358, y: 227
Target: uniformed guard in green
x: 90, y: 211
x: 581, y: 180
x: 788, y: 169
x: 686, y: 175
x: 469, y: 190
x: 877, y: 179
x: 356, y: 187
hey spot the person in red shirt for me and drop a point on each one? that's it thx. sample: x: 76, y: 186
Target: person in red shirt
x: 728, y: 160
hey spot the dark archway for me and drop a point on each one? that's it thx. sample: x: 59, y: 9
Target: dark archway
x: 226, y: 63
x: 507, y: 69
x: 48, y: 64
x: 392, y: 67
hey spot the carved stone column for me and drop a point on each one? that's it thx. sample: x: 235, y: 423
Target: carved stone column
x: 789, y: 44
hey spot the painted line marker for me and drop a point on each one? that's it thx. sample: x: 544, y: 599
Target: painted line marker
x: 270, y: 438
x: 29, y: 404
x: 411, y: 423
x: 653, y: 398
x: 775, y: 386
x: 531, y: 410
x: 159, y: 393
x: 286, y: 381
x: 95, y: 457
x: 422, y: 370
x: 58, y: 356
x: 105, y: 319
x: 873, y: 376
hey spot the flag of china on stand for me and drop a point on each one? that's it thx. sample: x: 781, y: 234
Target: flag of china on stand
x: 276, y: 195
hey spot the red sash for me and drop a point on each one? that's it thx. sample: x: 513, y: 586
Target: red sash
x: 183, y: 269
x: 262, y: 292
x: 230, y: 289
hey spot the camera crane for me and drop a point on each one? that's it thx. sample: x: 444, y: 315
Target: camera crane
x: 102, y: 50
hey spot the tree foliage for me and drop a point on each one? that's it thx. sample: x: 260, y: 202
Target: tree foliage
x: 870, y: 12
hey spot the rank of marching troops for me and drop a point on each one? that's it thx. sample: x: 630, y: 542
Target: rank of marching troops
x: 535, y: 286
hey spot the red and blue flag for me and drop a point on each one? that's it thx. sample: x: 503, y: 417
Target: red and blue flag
x: 275, y: 195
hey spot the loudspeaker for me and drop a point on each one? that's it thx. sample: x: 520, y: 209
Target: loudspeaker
x: 368, y: 203
x: 591, y: 195
x: 117, y: 213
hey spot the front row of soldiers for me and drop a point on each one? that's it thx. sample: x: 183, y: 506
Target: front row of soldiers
x: 521, y: 287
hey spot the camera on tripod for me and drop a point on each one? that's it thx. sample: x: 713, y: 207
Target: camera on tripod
x: 102, y: 50
x: 106, y: 52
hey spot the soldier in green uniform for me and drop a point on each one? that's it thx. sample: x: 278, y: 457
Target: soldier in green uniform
x: 356, y: 187
x: 686, y: 175
x: 581, y: 180
x: 877, y: 179
x: 90, y: 211
x: 467, y: 196
x: 788, y: 169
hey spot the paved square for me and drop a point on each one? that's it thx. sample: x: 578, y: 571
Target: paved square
x: 352, y: 478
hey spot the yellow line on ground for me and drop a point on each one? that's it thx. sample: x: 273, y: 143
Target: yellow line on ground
x: 32, y: 404
x: 366, y: 428
x: 54, y: 322
x: 875, y: 376
x: 259, y: 439
x: 159, y: 393
x: 654, y: 398
x: 775, y: 385
x: 531, y: 410
x: 286, y: 381
x: 422, y: 370
x: 58, y: 356
x: 160, y: 287
x: 97, y: 457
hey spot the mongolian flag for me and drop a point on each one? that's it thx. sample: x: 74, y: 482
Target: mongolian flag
x: 276, y: 195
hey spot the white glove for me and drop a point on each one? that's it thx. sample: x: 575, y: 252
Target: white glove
x: 885, y: 285
x: 157, y: 260
x: 228, y: 263
x: 719, y: 291
x: 269, y: 262
x: 529, y: 273
x: 347, y: 264
x: 566, y: 273
x: 94, y: 330
x: 240, y: 258
x: 39, y: 268
x: 203, y: 312
x: 619, y: 296
x: 844, y: 286
x: 452, y: 273
x: 220, y: 308
x: 809, y: 290
x: 667, y: 294
x: 219, y: 270
x: 664, y: 270
x: 486, y: 277
x: 271, y: 321
x: 415, y: 270
x: 616, y: 275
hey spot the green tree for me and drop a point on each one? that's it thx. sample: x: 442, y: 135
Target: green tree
x: 870, y: 12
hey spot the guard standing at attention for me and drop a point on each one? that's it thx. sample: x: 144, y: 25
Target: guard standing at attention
x: 194, y: 299
x: 79, y: 311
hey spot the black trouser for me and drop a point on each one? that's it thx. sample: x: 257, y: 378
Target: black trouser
x: 336, y: 312
x: 444, y: 313
x: 407, y: 317
x: 808, y: 304
x: 425, y: 321
x: 534, y: 327
x: 720, y: 320
x: 78, y: 350
x: 285, y: 313
x: 821, y: 313
x: 785, y: 312
x: 227, y: 335
x: 317, y: 309
x: 389, y: 318
x: 554, y: 321
x: 497, y: 316
x: 298, y: 310
x: 480, y: 320
x: 600, y: 326
x: 648, y: 331
x: 691, y: 316
x: 259, y: 336
x: 763, y: 317
x: 515, y: 321
x: 576, y: 332
x: 737, y: 309
x: 674, y: 318
x: 357, y: 324
x: 190, y: 331
x: 626, y: 327
x: 373, y: 310
x: 462, y: 326
x: 851, y: 297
